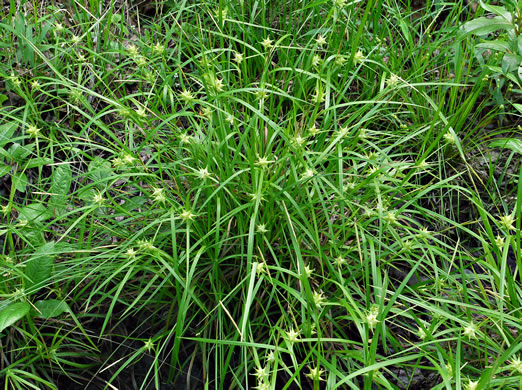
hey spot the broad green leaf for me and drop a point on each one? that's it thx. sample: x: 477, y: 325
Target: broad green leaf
x: 86, y: 194
x: 501, y: 46
x: 519, y: 44
x: 99, y: 170
x: 20, y: 181
x: 495, y: 69
x: 12, y: 314
x: 33, y: 235
x: 4, y: 154
x: 116, y: 18
x: 4, y: 169
x: 44, y: 29
x: 483, y: 26
x: 498, y: 96
x: 39, y: 267
x: 134, y: 203
x: 510, y: 63
x: 50, y: 308
x: 18, y: 152
x: 500, y: 11
x: 513, y: 78
x: 3, y: 98
x: 514, y: 144
x: 60, y: 185
x: 405, y: 30
x: 19, y: 24
x: 6, y: 132
x: 34, y: 213
x: 37, y: 162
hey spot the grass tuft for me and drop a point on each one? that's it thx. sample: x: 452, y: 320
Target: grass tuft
x: 269, y: 195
